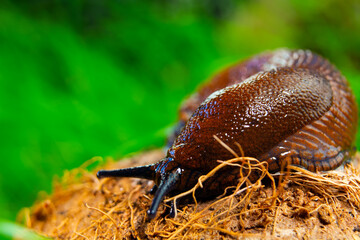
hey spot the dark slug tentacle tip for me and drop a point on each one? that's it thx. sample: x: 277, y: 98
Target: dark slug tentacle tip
x: 100, y: 174
x: 151, y: 213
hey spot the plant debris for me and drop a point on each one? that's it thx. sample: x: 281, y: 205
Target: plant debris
x: 296, y: 204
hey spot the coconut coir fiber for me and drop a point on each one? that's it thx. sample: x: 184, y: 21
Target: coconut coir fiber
x: 298, y: 205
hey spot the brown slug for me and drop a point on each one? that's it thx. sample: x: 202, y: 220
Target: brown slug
x: 281, y: 107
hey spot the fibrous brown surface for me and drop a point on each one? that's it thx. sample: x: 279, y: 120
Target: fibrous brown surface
x: 298, y: 205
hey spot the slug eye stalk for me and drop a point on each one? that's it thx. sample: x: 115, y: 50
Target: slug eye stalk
x: 146, y: 172
x: 167, y: 184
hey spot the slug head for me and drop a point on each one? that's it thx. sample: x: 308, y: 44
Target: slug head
x: 168, y: 176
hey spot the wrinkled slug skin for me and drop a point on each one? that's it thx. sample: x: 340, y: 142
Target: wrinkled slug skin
x: 282, y: 106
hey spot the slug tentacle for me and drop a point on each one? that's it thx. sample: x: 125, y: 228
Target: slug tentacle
x: 166, y: 185
x: 146, y: 172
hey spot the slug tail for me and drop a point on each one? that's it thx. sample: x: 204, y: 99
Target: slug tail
x: 146, y: 172
x: 166, y: 185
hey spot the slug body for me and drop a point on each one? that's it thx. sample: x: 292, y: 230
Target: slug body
x: 281, y: 107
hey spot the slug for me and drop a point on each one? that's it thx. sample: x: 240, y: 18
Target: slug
x: 286, y: 106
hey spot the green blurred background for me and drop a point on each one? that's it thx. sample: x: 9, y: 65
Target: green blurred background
x: 105, y: 78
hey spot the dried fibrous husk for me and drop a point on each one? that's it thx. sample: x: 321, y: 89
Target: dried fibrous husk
x: 295, y: 204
